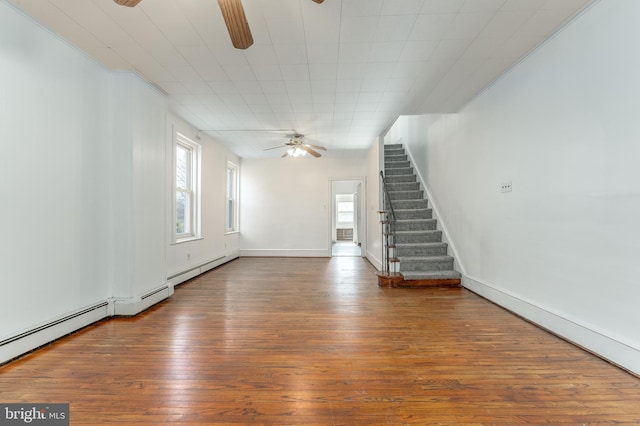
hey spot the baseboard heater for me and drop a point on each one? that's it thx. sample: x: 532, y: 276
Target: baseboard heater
x: 194, y: 271
x: 41, y: 335
x: 38, y: 336
x: 52, y: 323
x: 156, y: 291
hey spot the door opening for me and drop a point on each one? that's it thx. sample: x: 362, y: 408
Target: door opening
x: 347, y: 222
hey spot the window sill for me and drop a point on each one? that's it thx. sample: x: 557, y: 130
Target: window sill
x: 231, y: 232
x: 186, y: 240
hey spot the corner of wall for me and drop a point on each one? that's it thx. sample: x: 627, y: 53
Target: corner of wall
x: 134, y: 305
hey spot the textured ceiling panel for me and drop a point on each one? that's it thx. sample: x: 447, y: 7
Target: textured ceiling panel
x: 339, y: 72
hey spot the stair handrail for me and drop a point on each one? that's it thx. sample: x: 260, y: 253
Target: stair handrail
x: 391, y: 221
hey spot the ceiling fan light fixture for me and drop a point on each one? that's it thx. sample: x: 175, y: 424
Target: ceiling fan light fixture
x: 296, y: 152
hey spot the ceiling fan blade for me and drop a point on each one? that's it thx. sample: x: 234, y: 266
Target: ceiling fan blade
x: 236, y: 22
x: 310, y: 151
x: 318, y: 1
x: 286, y: 154
x: 130, y: 3
x: 316, y: 146
x: 273, y: 147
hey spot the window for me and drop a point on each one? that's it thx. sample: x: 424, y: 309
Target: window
x: 344, y: 212
x: 232, y: 197
x: 187, y: 193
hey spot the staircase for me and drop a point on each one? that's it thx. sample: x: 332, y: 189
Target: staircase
x: 413, y: 241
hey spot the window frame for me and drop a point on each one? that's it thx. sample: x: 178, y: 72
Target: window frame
x: 351, y: 211
x: 191, y: 191
x: 232, y: 205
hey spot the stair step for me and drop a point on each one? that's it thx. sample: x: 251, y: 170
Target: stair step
x: 406, y: 195
x: 409, y: 204
x: 397, y: 280
x: 426, y: 263
x: 405, y: 237
x: 403, y: 186
x: 400, y: 178
x: 393, y: 146
x: 404, y: 214
x: 431, y: 275
x: 415, y: 224
x: 421, y: 249
x: 391, y: 164
x: 392, y: 158
x: 399, y: 171
x: 390, y: 155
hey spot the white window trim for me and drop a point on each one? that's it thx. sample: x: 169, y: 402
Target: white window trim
x: 352, y: 211
x: 236, y: 211
x: 196, y: 151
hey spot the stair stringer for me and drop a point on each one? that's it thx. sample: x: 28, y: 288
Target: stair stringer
x: 440, y: 224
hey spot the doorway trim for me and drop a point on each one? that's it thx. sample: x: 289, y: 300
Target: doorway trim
x: 361, y: 213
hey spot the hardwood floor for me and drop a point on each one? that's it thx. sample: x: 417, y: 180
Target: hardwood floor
x: 316, y: 341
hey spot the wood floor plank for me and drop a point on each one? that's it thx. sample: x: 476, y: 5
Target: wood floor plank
x: 317, y: 342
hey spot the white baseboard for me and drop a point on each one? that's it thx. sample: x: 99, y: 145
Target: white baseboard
x: 134, y: 305
x: 374, y: 260
x: 613, y: 350
x: 286, y: 253
x: 185, y: 275
x: 43, y: 333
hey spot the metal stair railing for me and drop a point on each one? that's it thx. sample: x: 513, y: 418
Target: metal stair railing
x: 388, y: 226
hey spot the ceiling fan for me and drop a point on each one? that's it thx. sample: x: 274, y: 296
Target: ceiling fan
x: 234, y: 18
x: 298, y: 147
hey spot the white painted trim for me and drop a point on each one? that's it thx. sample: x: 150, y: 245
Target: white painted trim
x: 285, y: 253
x: 46, y: 332
x: 625, y: 355
x: 134, y: 305
x: 363, y: 235
x: 185, y: 275
x: 374, y: 260
x: 440, y: 224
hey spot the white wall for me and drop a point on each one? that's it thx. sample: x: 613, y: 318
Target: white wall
x: 215, y: 243
x: 284, y: 204
x: 84, y: 188
x: 54, y: 181
x: 139, y: 193
x: 562, y: 248
x: 373, y: 248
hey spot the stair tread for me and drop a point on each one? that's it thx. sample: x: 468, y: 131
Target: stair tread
x: 416, y: 275
x: 423, y: 231
x: 429, y: 258
x: 417, y: 245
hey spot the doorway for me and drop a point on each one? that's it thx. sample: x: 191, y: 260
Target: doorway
x: 347, y: 217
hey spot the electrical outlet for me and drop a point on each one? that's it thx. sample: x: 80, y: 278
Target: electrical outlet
x: 505, y: 187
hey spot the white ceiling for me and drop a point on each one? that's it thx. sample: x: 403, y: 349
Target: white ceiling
x: 339, y: 72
